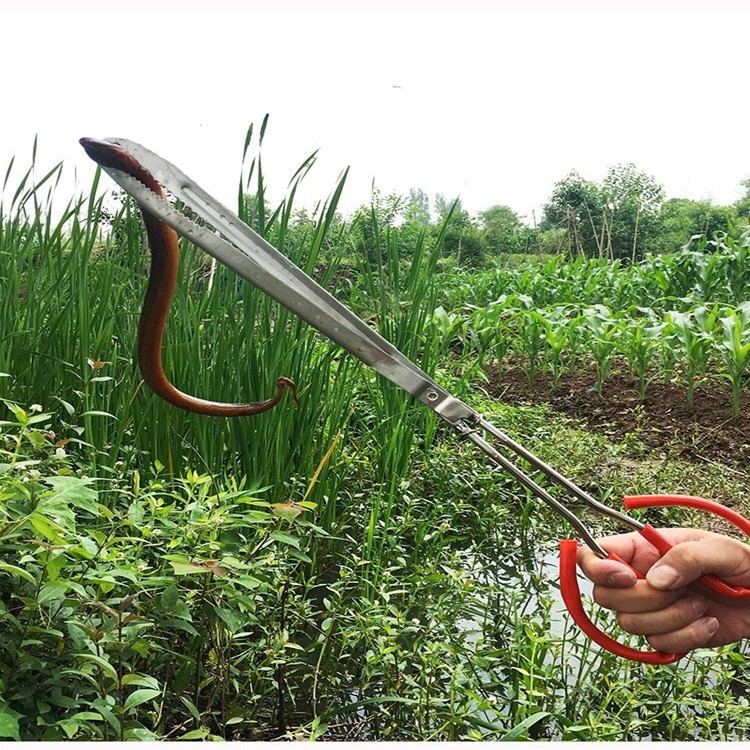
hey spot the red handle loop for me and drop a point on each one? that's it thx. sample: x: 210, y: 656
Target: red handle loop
x: 571, y: 595
x: 688, y: 501
x: 715, y: 585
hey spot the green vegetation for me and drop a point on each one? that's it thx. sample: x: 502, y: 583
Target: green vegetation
x: 680, y: 317
x: 345, y: 568
x: 626, y: 217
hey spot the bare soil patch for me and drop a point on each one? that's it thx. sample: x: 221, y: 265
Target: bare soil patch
x: 663, y: 421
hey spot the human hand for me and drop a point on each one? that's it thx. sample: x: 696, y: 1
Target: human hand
x: 672, y: 617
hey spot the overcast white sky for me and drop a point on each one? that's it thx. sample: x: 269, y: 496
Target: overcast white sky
x: 494, y: 105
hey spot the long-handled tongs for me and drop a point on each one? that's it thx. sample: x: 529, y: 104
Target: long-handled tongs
x: 237, y: 246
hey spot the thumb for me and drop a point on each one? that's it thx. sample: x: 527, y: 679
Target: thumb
x: 724, y: 557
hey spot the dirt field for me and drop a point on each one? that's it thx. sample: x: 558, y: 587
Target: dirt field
x: 663, y: 421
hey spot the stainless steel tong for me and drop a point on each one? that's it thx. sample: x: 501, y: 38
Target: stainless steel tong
x: 237, y: 246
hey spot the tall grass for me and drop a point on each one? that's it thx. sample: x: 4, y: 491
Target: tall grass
x: 70, y: 302
x: 70, y: 296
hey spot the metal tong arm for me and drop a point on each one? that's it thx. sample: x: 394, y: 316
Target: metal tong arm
x: 471, y: 433
x: 707, y: 584
x: 237, y: 246
x: 716, y: 588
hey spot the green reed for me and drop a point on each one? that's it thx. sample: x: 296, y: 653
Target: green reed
x: 69, y: 302
x: 70, y: 297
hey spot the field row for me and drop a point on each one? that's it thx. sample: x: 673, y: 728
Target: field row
x: 557, y: 317
x: 704, y: 272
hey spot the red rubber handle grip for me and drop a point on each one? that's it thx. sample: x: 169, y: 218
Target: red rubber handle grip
x: 723, y: 591
x: 571, y: 593
x: 688, y: 501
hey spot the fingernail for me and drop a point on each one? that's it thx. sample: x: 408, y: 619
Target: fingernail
x: 622, y: 579
x: 711, y: 625
x: 699, y: 606
x: 662, y: 576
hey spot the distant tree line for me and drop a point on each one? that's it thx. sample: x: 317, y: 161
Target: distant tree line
x: 627, y: 216
x: 624, y: 217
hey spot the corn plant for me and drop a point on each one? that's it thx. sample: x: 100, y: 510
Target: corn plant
x: 641, y: 344
x: 448, y: 328
x: 531, y: 335
x: 734, y: 349
x: 490, y: 329
x: 738, y: 267
x: 560, y: 332
x: 692, y: 332
x: 605, y: 331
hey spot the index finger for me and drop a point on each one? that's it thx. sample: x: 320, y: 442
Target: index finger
x: 634, y: 550
x: 607, y: 572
